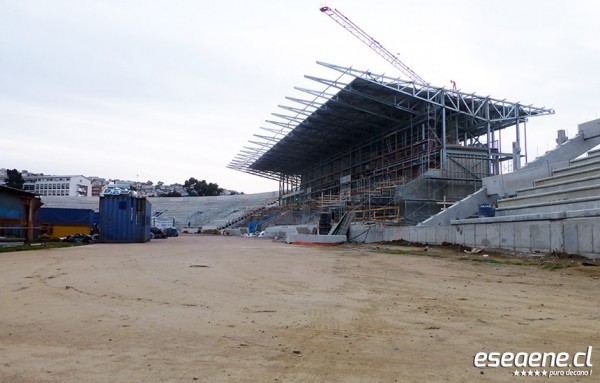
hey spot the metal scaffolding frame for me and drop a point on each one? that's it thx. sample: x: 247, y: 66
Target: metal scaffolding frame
x: 366, y: 129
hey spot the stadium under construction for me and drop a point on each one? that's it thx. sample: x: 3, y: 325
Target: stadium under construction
x: 373, y: 158
x: 384, y: 148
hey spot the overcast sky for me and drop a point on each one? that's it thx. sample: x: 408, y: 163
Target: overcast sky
x: 167, y: 90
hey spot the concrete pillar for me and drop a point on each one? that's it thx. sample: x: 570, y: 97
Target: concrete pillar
x: 517, y: 144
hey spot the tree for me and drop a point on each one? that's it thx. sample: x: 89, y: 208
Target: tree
x: 190, y: 186
x: 201, y: 188
x: 172, y: 193
x: 14, y: 179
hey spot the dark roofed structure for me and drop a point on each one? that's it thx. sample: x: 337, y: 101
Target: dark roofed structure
x: 367, y: 130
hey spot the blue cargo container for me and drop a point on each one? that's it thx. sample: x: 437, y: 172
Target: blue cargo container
x: 124, y: 219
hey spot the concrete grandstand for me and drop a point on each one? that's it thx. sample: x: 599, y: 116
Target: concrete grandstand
x: 415, y: 162
x: 205, y: 213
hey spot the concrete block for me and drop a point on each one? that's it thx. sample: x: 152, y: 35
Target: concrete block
x: 584, y: 213
x: 557, y: 239
x: 493, y: 235
x: 303, y: 229
x: 469, y: 235
x: 441, y: 235
x: 457, y: 233
x: 522, y: 237
x: 482, y: 235
x: 572, y: 235
x: 280, y: 231
x: 513, y: 218
x: 585, y: 235
x: 507, y: 235
x: 374, y: 234
x: 430, y: 235
x: 540, y: 236
x: 590, y: 129
x: 506, y: 185
x: 571, y: 240
x: 596, y: 237
x: 421, y: 235
x: 317, y: 239
x: 410, y: 234
x: 392, y: 234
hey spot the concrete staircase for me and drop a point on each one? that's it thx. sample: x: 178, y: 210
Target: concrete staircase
x: 342, y: 227
x: 556, y: 166
x: 571, y: 188
x: 560, y: 213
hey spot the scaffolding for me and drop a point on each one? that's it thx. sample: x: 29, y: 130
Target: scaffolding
x: 385, y: 148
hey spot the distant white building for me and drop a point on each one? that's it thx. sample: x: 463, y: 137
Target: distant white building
x: 58, y: 185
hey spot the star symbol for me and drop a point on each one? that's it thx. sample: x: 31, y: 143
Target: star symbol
x: 516, y: 373
x: 523, y: 373
x: 530, y: 373
x: 537, y: 373
x: 544, y: 373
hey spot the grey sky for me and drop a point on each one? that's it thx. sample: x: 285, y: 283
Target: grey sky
x: 167, y: 90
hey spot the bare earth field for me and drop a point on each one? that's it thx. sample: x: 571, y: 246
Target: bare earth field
x: 224, y: 309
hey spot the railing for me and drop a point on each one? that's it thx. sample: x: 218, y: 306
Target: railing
x: 388, y: 213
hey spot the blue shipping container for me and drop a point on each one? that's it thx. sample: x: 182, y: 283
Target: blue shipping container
x: 65, y: 216
x: 124, y: 219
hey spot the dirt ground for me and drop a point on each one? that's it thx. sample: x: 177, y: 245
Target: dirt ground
x: 225, y: 309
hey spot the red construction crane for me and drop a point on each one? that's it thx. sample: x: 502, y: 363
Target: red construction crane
x: 345, y: 22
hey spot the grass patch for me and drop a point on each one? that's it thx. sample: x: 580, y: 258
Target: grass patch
x: 551, y: 262
x: 554, y: 266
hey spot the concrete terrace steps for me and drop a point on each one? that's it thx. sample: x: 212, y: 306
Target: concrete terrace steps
x: 593, y: 152
x: 543, y: 216
x: 590, y: 157
x: 561, y: 195
x: 567, y: 176
x: 572, y: 204
x: 576, y: 186
x: 560, y: 214
x: 591, y: 164
x: 564, y: 185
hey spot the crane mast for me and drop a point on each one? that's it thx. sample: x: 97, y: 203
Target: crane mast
x: 363, y: 36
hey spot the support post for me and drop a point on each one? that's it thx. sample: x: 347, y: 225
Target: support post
x: 444, y: 139
x: 525, y: 139
x: 489, y: 125
x: 517, y: 144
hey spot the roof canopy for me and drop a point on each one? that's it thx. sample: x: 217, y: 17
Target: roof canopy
x: 349, y: 112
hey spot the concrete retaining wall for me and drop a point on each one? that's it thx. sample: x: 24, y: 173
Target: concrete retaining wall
x: 574, y: 236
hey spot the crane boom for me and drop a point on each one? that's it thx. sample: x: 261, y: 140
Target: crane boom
x: 363, y: 36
